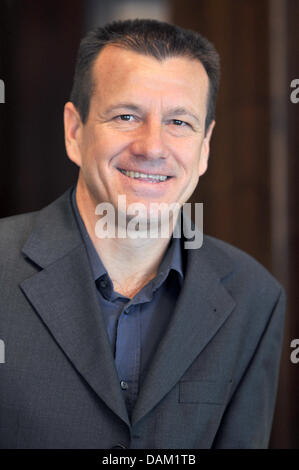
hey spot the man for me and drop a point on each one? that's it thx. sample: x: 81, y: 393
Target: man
x: 135, y: 342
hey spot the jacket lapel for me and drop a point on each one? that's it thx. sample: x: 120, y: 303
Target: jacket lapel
x: 203, y: 306
x: 63, y: 294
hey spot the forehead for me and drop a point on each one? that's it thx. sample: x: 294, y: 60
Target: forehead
x: 117, y: 72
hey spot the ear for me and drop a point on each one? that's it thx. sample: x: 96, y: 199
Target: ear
x: 72, y: 133
x: 205, y: 150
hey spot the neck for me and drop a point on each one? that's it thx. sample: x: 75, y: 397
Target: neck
x: 130, y: 263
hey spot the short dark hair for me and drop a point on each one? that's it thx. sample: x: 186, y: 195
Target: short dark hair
x: 149, y: 37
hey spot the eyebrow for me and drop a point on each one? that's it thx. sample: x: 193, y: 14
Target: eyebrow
x: 129, y: 106
x: 178, y: 110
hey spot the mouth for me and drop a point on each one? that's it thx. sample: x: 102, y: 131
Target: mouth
x: 147, y: 177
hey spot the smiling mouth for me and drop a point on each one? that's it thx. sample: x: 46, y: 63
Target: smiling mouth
x: 152, y: 178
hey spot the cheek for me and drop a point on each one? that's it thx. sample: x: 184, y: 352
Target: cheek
x: 189, y: 158
x: 104, y: 146
x: 94, y: 151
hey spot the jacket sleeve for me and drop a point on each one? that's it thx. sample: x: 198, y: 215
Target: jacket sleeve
x: 247, y: 421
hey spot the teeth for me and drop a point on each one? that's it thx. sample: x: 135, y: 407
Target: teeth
x: 136, y: 174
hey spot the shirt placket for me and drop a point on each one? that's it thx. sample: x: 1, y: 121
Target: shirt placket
x: 128, y: 352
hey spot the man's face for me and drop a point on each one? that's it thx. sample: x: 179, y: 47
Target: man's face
x: 146, y: 117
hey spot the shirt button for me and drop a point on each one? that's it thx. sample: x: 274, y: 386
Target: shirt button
x: 124, y: 385
x: 103, y: 283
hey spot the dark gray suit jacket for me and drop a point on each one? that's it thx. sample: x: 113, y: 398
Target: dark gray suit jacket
x: 213, y: 379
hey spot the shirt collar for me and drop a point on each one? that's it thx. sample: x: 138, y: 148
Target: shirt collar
x: 98, y: 269
x: 171, y: 260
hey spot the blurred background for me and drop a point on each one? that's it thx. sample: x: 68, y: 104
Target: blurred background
x: 250, y: 191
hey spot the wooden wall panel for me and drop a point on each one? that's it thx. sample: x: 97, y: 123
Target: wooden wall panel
x: 235, y: 189
x: 41, y: 43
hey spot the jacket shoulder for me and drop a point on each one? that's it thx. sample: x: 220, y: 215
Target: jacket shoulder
x: 15, y: 230
x: 242, y: 269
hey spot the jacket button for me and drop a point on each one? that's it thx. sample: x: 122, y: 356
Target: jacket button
x: 119, y: 446
x: 124, y: 385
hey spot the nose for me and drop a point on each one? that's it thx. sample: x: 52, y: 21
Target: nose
x: 149, y: 141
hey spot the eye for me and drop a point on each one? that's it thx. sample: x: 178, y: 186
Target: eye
x: 125, y: 117
x: 179, y: 123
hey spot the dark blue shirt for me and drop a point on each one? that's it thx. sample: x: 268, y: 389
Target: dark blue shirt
x: 135, y: 326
